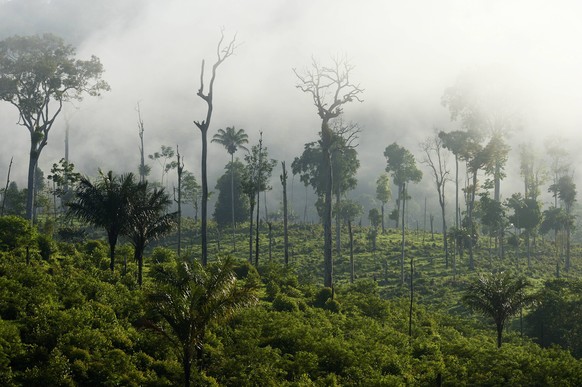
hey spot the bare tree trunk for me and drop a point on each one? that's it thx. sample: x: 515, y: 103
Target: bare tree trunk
x: 32, y: 163
x: 352, y: 275
x: 179, y: 201
x: 383, y: 228
x: 270, y: 224
x: 222, y: 54
x: 337, y: 227
x: 204, y: 211
x: 285, y: 225
x: 140, y: 126
x: 232, y: 201
x: 471, y: 227
x: 326, y: 139
x: 252, y: 206
x: 403, y: 192
x: 6, y: 188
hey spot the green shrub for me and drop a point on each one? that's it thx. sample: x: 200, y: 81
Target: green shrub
x: 283, y: 303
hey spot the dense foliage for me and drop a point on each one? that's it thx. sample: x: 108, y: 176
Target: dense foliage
x: 68, y: 320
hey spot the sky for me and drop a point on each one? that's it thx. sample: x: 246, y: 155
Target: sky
x: 405, y: 54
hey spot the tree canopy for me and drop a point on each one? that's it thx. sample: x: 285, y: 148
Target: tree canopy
x: 38, y: 74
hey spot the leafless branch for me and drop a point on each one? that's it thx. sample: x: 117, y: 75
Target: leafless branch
x: 330, y: 87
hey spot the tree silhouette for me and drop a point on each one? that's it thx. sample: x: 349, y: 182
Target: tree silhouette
x: 105, y: 203
x: 437, y: 162
x: 231, y: 139
x: 566, y: 191
x: 189, y: 297
x: 256, y: 180
x: 147, y: 219
x: 38, y: 74
x: 498, y: 296
x: 401, y: 164
x: 330, y: 89
x: 344, y: 162
x: 222, y: 53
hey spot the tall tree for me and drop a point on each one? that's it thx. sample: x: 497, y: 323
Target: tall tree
x: 383, y: 194
x: 256, y: 180
x: 498, y: 296
x: 144, y: 170
x: 566, y: 189
x: 188, y: 298
x: 460, y: 144
x: 330, y: 89
x: 437, y: 162
x: 231, y: 139
x: 38, y: 74
x: 481, y: 100
x: 222, y: 53
x: 105, y: 203
x: 401, y: 164
x: 147, y: 219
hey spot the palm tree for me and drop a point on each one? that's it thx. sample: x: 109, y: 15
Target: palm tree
x: 104, y: 204
x: 189, y: 297
x: 499, y: 296
x: 147, y: 220
x: 231, y: 139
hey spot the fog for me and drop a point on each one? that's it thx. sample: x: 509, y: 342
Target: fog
x: 405, y: 55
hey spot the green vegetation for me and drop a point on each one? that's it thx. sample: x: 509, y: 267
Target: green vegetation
x: 65, y: 319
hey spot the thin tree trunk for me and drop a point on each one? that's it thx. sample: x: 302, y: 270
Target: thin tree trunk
x: 567, y: 264
x: 251, y: 232
x: 232, y: 200
x: 270, y: 240
x: 470, y: 216
x: 6, y: 188
x: 337, y: 227
x: 187, y: 366
x: 112, y: 244
x: 383, y: 228
x: 352, y: 274
x: 285, y: 225
x: 180, y: 171
x: 204, y: 211
x: 455, y: 247
x: 402, y: 225
x: 257, y: 240
x: 411, y: 295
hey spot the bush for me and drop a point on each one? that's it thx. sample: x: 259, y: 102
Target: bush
x: 283, y: 303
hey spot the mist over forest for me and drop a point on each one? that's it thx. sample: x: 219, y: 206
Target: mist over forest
x: 405, y: 55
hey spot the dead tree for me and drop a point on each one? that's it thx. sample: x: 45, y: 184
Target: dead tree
x: 330, y: 89
x: 143, y: 169
x: 222, y: 52
x: 436, y: 160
